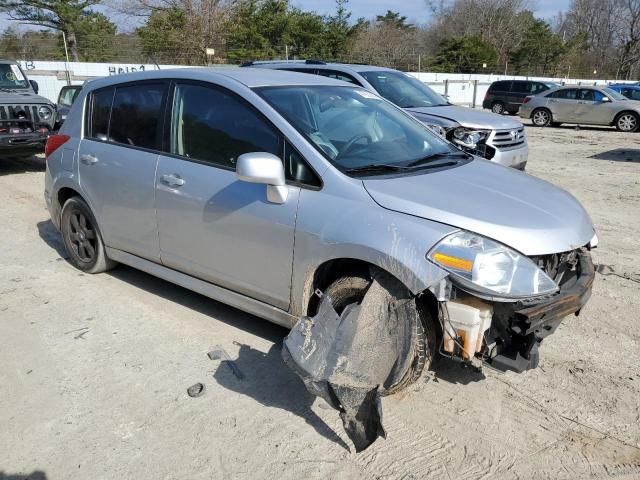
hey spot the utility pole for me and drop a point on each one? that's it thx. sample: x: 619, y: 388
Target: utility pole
x: 66, y: 54
x: 506, y: 65
x: 286, y: 52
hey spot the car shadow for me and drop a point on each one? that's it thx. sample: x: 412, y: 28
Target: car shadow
x: 631, y: 155
x: 269, y: 381
x: 452, y: 371
x: 10, y: 166
x: 51, y: 236
x: 266, y: 378
x: 35, y: 475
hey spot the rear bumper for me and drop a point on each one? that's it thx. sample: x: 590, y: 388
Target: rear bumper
x: 532, y: 322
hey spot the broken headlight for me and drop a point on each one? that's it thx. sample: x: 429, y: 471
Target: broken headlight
x: 490, y: 268
x: 439, y: 129
x: 469, y: 138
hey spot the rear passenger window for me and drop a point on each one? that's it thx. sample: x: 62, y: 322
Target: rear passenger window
x: 500, y: 86
x: 568, y: 94
x: 521, y: 87
x: 215, y: 127
x: 136, y: 114
x: 100, y: 110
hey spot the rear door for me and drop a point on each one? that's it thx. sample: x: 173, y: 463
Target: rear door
x: 591, y: 107
x: 117, y: 166
x: 211, y: 225
x: 519, y: 90
x: 564, y: 104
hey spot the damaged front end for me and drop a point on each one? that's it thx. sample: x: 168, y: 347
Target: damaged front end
x: 507, y: 334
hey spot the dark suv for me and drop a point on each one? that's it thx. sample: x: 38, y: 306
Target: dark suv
x: 26, y: 118
x: 506, y: 96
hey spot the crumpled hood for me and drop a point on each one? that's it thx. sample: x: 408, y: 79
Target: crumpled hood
x: 530, y: 215
x: 469, y: 117
x: 19, y: 98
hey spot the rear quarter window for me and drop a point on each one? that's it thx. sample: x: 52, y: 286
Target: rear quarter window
x: 501, y: 86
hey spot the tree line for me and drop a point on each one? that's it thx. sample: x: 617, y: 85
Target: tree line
x: 593, y: 38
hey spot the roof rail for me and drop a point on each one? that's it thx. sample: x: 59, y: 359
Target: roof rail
x: 315, y: 61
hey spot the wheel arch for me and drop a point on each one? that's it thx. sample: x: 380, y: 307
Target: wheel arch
x: 619, y: 114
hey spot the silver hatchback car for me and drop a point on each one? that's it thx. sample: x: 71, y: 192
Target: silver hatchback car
x: 258, y: 188
x: 582, y: 105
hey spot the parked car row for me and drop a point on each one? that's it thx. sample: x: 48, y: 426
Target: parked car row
x: 499, y: 139
x: 551, y: 104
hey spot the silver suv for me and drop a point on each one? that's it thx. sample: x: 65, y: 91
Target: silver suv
x: 258, y: 188
x: 582, y: 105
x: 494, y: 137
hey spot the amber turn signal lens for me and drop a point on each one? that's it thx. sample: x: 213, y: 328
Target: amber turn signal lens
x: 453, y: 262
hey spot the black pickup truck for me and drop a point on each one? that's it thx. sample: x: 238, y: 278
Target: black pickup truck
x: 26, y: 118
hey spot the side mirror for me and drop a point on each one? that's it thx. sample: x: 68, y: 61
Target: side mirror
x: 34, y: 85
x: 264, y: 168
x: 606, y: 99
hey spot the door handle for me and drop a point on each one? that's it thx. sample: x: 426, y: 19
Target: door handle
x: 88, y: 159
x: 172, y: 180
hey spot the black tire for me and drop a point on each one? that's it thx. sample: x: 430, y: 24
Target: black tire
x: 541, y: 117
x: 82, y: 239
x: 352, y: 289
x: 497, y: 108
x: 627, y: 122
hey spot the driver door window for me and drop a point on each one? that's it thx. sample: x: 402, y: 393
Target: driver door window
x: 215, y: 127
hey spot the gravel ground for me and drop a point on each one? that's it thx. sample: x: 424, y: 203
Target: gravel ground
x: 94, y: 369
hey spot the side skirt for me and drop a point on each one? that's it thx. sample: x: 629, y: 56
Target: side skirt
x: 233, y: 299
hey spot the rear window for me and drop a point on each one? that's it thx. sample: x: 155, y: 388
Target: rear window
x: 130, y: 115
x: 135, y: 115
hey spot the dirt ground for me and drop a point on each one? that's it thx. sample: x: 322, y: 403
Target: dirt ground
x: 94, y: 369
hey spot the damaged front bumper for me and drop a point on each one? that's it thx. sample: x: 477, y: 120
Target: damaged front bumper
x: 516, y: 329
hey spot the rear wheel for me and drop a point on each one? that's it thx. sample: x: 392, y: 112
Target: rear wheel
x: 82, y: 239
x: 627, y: 122
x: 497, y: 107
x: 348, y: 290
x: 541, y: 117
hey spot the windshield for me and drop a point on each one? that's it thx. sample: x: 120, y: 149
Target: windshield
x: 354, y: 128
x: 613, y: 94
x: 12, y: 77
x: 403, y: 90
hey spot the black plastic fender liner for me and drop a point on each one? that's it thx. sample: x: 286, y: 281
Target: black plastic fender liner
x: 347, y: 359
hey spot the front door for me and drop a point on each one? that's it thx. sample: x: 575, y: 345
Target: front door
x: 117, y: 164
x: 592, y: 109
x: 212, y: 225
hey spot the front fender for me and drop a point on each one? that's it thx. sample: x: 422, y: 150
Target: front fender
x: 331, y: 228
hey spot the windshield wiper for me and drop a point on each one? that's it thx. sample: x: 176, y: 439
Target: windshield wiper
x: 436, y: 156
x: 382, y: 167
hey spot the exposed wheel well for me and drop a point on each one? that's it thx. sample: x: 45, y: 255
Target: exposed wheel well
x: 331, y: 270
x: 64, y: 194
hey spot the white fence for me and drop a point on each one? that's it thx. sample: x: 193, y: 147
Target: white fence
x: 462, y: 89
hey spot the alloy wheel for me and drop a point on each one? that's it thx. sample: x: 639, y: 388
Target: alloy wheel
x: 497, y: 108
x: 627, y: 122
x: 82, y: 236
x: 541, y: 117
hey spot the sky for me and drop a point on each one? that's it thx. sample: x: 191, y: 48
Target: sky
x: 415, y: 10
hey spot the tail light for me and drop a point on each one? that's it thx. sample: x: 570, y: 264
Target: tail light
x: 53, y: 143
x: 526, y: 99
